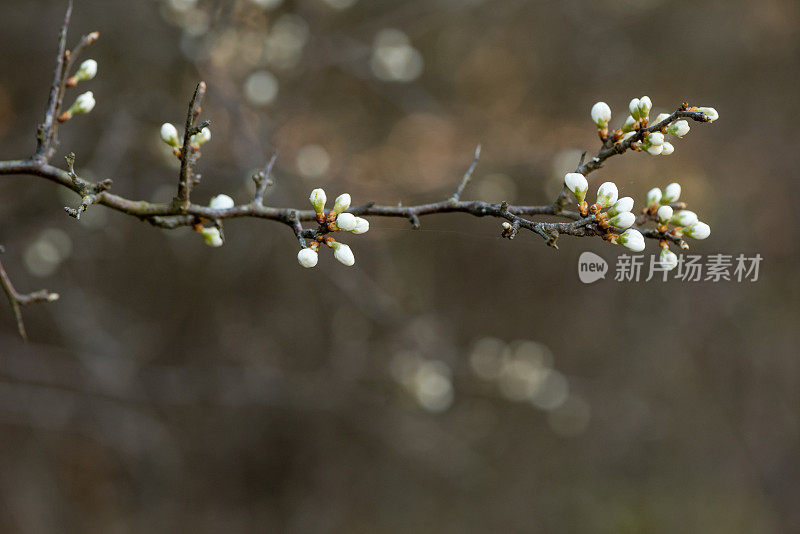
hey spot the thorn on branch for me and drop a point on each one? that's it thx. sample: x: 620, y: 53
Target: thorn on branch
x: 414, y: 220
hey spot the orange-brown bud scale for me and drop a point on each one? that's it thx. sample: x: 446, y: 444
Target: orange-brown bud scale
x: 72, y: 81
x: 583, y: 208
x: 65, y: 116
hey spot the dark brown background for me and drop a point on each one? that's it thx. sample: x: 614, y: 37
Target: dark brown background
x: 179, y: 388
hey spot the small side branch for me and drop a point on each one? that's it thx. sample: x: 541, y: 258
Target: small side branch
x: 189, y: 152
x: 18, y: 300
x: 46, y: 132
x: 467, y: 175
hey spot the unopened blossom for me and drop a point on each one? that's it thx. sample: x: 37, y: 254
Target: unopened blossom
x: 86, y: 71
x: 633, y: 108
x: 620, y: 206
x: 668, y: 259
x: 307, y: 257
x: 601, y: 114
x: 343, y: 254
x: 318, y: 199
x: 576, y: 182
x: 623, y: 220
x: 632, y: 239
x: 202, y: 137
x: 346, y: 222
x: 221, y: 202
x: 710, y: 113
x: 655, y: 138
x: 645, y: 105
x: 667, y: 148
x: 362, y: 226
x: 679, y: 128
x: 212, y: 237
x: 664, y: 214
x: 671, y: 193
x: 655, y: 150
x: 341, y: 203
x: 654, y: 196
x: 629, y: 125
x: 698, y: 230
x: 684, y: 218
x: 169, y: 134
x: 83, y: 104
x: 661, y: 117
x: 607, y: 194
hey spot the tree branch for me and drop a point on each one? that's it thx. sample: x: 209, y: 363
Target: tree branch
x: 17, y: 300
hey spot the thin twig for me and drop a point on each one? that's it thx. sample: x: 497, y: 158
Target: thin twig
x: 467, y: 175
x: 188, y: 152
x: 17, y: 300
x: 46, y: 130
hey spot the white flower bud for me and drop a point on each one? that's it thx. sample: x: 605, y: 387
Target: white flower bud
x: 221, y: 202
x: 202, y: 137
x: 667, y: 148
x: 212, y: 237
x: 83, y: 104
x: 169, y: 134
x: 655, y: 138
x: 318, y: 199
x: 343, y: 254
x: 667, y: 259
x: 679, y: 128
x: 671, y: 193
x: 711, y: 113
x: 607, y: 194
x: 633, y: 107
x: 645, y: 105
x: 653, y: 196
x: 362, y: 226
x: 341, y: 203
x: 629, y: 125
x: 698, y: 230
x: 664, y: 214
x: 576, y: 182
x: 632, y: 239
x: 627, y: 135
x: 307, y: 257
x: 623, y: 220
x: 346, y: 222
x: 87, y: 70
x: 620, y: 206
x: 661, y: 117
x: 684, y: 218
x: 655, y: 150
x: 601, y: 114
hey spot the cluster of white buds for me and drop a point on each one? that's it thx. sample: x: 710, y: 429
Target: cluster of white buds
x: 639, y: 109
x: 654, y: 143
x: 669, y: 212
x: 337, y: 220
x: 612, y: 213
